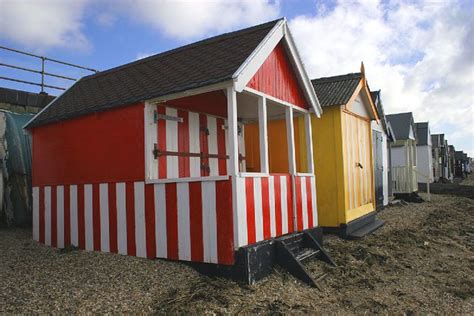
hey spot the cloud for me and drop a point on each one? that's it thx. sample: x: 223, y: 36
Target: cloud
x: 419, y: 54
x: 41, y: 25
x: 143, y: 55
x: 193, y: 19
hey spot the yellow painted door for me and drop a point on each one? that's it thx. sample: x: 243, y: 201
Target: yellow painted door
x: 358, y: 167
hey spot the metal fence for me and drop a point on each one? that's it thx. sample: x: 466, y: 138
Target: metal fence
x: 40, y: 71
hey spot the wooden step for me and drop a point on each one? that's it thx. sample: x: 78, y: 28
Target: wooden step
x: 366, y: 229
x: 305, y: 254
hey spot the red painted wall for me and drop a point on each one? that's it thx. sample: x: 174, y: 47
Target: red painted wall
x: 277, y: 78
x: 102, y: 147
x: 214, y: 103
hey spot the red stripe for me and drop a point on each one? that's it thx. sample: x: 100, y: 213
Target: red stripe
x: 195, y: 218
x: 277, y: 197
x: 67, y: 216
x: 224, y: 217
x: 150, y: 220
x: 221, y: 150
x: 266, y: 208
x: 299, y: 204
x: 172, y: 220
x: 41, y: 215
x: 289, y: 192
x: 130, y: 215
x: 251, y: 234
x: 54, y: 217
x: 96, y: 216
x: 309, y: 199
x: 183, y: 144
x: 161, y: 143
x: 80, y: 215
x: 112, y: 217
x: 203, y: 139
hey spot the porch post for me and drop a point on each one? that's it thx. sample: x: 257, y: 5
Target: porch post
x: 263, y: 132
x: 309, y: 142
x: 290, y: 135
x: 239, y: 219
x: 233, y: 136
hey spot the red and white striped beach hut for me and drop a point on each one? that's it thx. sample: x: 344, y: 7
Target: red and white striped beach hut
x: 148, y: 159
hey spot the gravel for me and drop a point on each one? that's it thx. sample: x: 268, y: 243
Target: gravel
x: 422, y: 260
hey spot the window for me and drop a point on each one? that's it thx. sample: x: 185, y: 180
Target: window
x: 185, y: 144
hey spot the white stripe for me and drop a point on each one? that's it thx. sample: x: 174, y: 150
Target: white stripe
x: 304, y: 202
x: 171, y: 144
x: 121, y: 219
x: 160, y: 221
x: 271, y: 190
x: 88, y: 208
x: 74, y: 217
x: 104, y: 217
x: 140, y: 234
x: 35, y: 213
x: 284, y: 205
x: 194, y: 145
x: 257, y: 197
x: 315, y: 204
x: 184, y: 234
x: 240, y: 223
x: 209, y: 222
x: 60, y: 216
x: 212, y: 145
x: 47, y: 216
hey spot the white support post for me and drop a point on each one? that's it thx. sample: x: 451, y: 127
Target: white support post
x: 263, y: 133
x: 290, y: 135
x: 233, y: 130
x: 238, y: 219
x: 309, y: 142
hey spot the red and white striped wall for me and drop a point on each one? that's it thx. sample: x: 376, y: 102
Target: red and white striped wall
x: 189, y: 221
x: 265, y: 207
x: 189, y: 136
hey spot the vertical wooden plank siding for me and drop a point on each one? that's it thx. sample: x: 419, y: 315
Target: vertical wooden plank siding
x: 153, y: 220
x: 277, y: 78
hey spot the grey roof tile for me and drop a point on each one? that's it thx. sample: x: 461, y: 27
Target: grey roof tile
x: 336, y: 90
x: 203, y: 63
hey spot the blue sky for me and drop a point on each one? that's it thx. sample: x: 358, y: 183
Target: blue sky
x: 420, y: 53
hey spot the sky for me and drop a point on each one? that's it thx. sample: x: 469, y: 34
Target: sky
x: 419, y: 53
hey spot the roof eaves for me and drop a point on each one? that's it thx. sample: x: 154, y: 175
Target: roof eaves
x: 30, y: 122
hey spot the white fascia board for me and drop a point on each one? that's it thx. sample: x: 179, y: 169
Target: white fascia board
x: 187, y: 93
x: 301, y: 72
x: 256, y: 59
x: 253, y: 63
x: 50, y: 103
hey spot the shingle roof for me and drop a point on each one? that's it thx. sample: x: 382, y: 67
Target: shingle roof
x: 401, y: 124
x: 336, y: 90
x: 200, y: 64
x: 422, y: 133
x: 25, y: 98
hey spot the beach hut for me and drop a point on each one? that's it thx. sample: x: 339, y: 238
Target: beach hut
x: 424, y: 158
x: 148, y: 159
x: 344, y: 166
x: 382, y: 137
x: 403, y: 150
x: 440, y: 158
x: 451, y: 162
